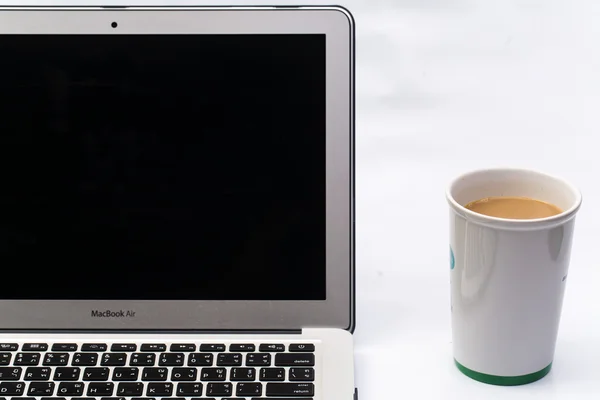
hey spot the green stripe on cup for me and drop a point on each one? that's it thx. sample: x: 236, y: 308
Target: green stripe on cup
x: 504, y: 380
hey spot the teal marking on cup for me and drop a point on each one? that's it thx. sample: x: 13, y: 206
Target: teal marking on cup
x: 451, y: 258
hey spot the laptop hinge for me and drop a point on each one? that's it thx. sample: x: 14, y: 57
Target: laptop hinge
x: 152, y: 331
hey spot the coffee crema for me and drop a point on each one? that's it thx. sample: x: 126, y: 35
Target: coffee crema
x: 513, y: 207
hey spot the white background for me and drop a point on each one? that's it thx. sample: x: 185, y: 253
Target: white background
x: 444, y: 86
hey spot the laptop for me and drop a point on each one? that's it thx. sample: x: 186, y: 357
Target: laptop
x: 176, y: 203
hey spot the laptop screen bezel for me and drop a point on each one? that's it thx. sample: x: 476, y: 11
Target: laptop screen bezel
x: 337, y: 311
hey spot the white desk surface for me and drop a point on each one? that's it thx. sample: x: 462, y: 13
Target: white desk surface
x: 444, y: 86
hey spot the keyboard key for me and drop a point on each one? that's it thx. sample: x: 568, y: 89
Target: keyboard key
x: 143, y: 398
x: 271, y: 348
x: 147, y: 359
x: 213, y: 374
x: 229, y: 359
x: 290, y: 389
x: 154, y: 347
x: 100, y: 389
x: 10, y: 373
x: 248, y: 389
x: 9, y: 346
x: 219, y: 389
x: 68, y: 374
x: 171, y: 359
x: 125, y: 374
x: 70, y: 389
x: 37, y: 374
x: 64, y: 347
x: 270, y: 398
x: 272, y: 374
x: 95, y: 347
x: 56, y: 359
x: 189, y: 389
x: 302, y: 348
x: 35, y: 347
x: 5, y: 358
x: 155, y: 374
x: 302, y: 374
x: 182, y: 347
x: 130, y: 389
x: 85, y: 359
x: 184, y: 374
x: 263, y: 359
x: 294, y: 359
x: 159, y: 389
x: 41, y: 389
x: 243, y: 374
x: 215, y: 348
x: 200, y: 359
x: 242, y: 348
x: 27, y: 359
x: 12, y: 388
x: 46, y: 398
x: 96, y: 374
x: 114, y: 359
x: 123, y: 347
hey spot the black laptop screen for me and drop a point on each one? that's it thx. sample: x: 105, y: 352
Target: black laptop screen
x: 162, y: 167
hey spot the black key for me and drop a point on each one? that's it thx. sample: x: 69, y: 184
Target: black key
x: 271, y: 398
x: 184, y: 374
x: 154, y: 347
x: 171, y: 359
x: 5, y: 358
x: 213, y: 374
x: 112, y: 398
x: 302, y: 348
x: 242, y: 347
x: 200, y: 359
x: 100, y: 389
x: 10, y: 373
x: 182, y: 347
x: 212, y: 347
x: 290, y: 389
x: 144, y: 398
x: 258, y: 359
x: 130, y: 389
x: 248, y: 389
x: 9, y: 346
x: 272, y: 374
x: 271, y: 347
x: 12, y: 388
x: 68, y: 374
x: 159, y: 389
x: 85, y: 359
x: 41, y: 389
x: 27, y: 359
x: 37, y: 374
x: 70, y: 389
x: 243, y: 374
x: 114, y: 359
x: 302, y: 374
x: 86, y: 398
x: 125, y: 374
x: 35, y: 347
x: 294, y: 359
x: 155, y: 374
x: 123, y: 347
x: 64, y: 347
x: 229, y: 359
x: 56, y: 359
x: 96, y: 374
x: 46, y: 398
x: 25, y: 398
x: 189, y: 389
x: 95, y: 347
x: 210, y: 398
x: 147, y: 359
x: 219, y: 389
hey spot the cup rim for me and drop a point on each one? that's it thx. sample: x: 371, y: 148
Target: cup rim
x: 509, y: 223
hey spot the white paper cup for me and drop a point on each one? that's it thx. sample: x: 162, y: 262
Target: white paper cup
x: 508, y: 276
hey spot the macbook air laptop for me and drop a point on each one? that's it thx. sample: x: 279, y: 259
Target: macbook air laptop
x: 176, y: 203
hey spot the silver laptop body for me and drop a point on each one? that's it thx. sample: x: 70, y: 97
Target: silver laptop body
x: 176, y: 211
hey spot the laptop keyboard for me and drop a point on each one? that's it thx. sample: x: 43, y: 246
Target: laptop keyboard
x: 159, y: 371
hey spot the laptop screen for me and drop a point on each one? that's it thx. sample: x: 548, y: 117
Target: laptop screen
x: 162, y: 167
